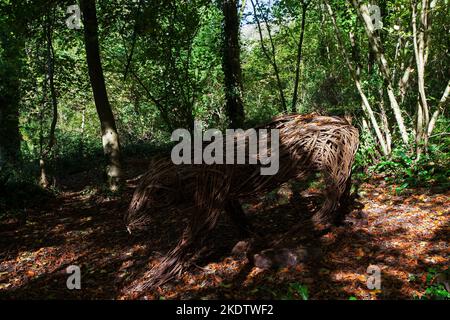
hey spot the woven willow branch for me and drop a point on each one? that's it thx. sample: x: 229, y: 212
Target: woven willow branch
x: 309, y: 144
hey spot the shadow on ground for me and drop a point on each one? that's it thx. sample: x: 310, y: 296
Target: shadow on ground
x: 402, y: 236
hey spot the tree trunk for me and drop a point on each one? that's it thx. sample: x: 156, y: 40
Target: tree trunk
x: 384, y: 121
x: 365, y: 102
x: 299, y: 56
x: 403, y: 83
x: 440, y: 107
x: 242, y: 9
x: 110, y: 137
x: 50, y: 70
x: 420, y: 50
x: 421, y: 40
x: 271, y: 57
x: 231, y: 64
x: 83, y: 123
x: 364, y: 15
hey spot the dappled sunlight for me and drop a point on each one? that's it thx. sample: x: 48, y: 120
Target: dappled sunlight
x: 404, y: 235
x: 224, y: 150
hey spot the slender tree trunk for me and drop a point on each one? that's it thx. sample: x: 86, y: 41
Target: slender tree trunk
x: 420, y: 52
x: 270, y: 56
x: 396, y: 56
x: 231, y: 64
x: 159, y: 106
x: 366, y: 127
x: 110, y: 137
x: 51, y: 81
x: 42, y: 173
x: 371, y: 115
x: 420, y: 127
x: 242, y: 9
x: 364, y: 15
x: 355, y: 53
x: 365, y: 102
x: 384, y: 121
x: 440, y: 107
x: 83, y: 122
x: 299, y: 56
x: 421, y: 41
x: 387, y: 143
x: 50, y: 70
x: 403, y: 83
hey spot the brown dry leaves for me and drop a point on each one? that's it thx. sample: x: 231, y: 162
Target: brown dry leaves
x: 404, y: 235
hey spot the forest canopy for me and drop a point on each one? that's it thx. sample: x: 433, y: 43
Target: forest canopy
x: 164, y: 64
x: 91, y: 89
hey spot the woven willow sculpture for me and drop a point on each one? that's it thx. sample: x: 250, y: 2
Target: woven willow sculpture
x: 308, y: 144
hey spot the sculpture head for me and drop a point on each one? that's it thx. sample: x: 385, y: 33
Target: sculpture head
x: 155, y: 193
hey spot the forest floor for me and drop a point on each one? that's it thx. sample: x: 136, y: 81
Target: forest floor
x: 406, y: 236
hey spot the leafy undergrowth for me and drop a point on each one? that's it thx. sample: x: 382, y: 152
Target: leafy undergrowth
x: 405, y: 235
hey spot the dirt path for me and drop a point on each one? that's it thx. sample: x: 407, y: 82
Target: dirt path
x: 404, y: 236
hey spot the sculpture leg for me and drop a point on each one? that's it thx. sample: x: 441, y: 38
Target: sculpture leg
x: 345, y: 202
x: 324, y: 217
x: 237, y: 215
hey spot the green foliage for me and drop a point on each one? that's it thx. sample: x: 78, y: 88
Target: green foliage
x: 436, y: 290
x: 162, y: 67
x: 294, y: 291
x: 367, y: 151
x: 403, y: 169
x: 297, y: 291
x: 162, y: 64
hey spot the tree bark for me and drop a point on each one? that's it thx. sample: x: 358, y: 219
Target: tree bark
x: 299, y: 56
x: 420, y: 52
x: 50, y: 70
x: 384, y: 121
x: 403, y: 83
x: 365, y: 102
x: 231, y: 64
x: 110, y: 137
x: 440, y: 107
x: 271, y: 57
x: 364, y: 15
